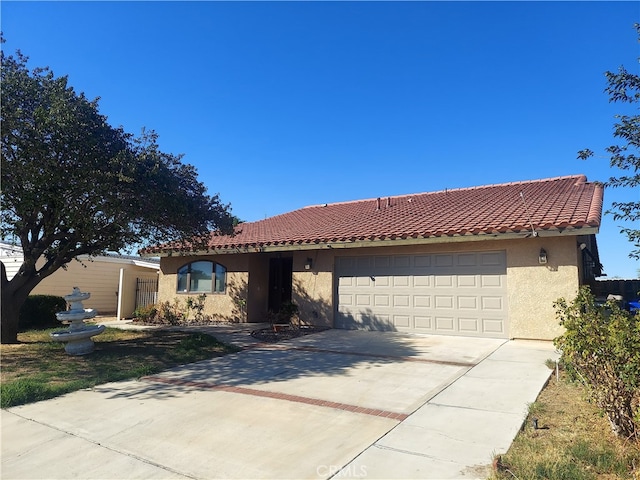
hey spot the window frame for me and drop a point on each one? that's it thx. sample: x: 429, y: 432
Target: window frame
x: 215, y: 267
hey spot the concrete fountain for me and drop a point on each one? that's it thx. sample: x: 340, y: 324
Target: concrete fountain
x: 78, y: 336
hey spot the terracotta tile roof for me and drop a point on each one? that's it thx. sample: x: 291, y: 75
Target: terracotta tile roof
x: 551, y: 205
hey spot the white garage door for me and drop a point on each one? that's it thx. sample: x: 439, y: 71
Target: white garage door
x: 449, y: 294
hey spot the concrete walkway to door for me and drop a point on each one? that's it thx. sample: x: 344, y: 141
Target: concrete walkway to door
x: 343, y: 404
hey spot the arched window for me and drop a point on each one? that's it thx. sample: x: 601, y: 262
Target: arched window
x: 202, y: 276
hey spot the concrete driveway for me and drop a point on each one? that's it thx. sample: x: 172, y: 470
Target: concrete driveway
x: 343, y: 404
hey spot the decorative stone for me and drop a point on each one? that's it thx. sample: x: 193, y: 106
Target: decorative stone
x: 78, y: 335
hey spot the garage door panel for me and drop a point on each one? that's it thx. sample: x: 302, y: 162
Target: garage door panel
x: 492, y: 325
x: 363, y: 300
x: 453, y: 294
x: 468, y: 325
x: 422, y: 261
x: 346, y: 282
x: 382, y: 262
x: 401, y: 301
x: 381, y: 300
x: 443, y: 281
x: 444, y: 301
x: 381, y: 281
x: 422, y: 301
x: 495, y: 259
x: 488, y: 281
x: 423, y: 323
x: 443, y: 261
x: 370, y: 321
x: 402, y: 321
x: 466, y: 260
x: 345, y: 300
x: 468, y: 303
x: 402, y: 261
x: 467, y: 281
x: 445, y: 324
x: 492, y: 303
x: 364, y: 263
x: 345, y: 263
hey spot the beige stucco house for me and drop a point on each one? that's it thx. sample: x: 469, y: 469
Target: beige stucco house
x: 483, y: 261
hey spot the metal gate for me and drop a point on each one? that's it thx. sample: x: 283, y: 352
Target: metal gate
x: 146, y: 291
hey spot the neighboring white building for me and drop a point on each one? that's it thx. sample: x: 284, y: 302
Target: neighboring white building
x: 112, y: 280
x: 11, y: 256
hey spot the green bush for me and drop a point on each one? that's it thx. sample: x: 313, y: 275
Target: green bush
x: 39, y: 312
x: 601, y: 347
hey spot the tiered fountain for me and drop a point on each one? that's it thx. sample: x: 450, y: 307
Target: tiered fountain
x: 78, y: 335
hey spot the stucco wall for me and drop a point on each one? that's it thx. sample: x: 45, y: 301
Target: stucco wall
x: 313, y: 288
x: 227, y: 306
x: 531, y: 287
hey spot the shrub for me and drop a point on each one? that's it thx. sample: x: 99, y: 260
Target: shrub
x: 39, y: 311
x: 146, y: 313
x: 601, y: 347
x: 163, y: 313
x: 197, y: 306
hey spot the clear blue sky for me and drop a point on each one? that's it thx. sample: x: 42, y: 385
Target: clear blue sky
x: 280, y: 105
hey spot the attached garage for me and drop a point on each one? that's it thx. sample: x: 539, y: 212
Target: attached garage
x: 444, y: 293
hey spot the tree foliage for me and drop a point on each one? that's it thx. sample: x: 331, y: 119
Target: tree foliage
x: 72, y: 184
x: 624, y: 87
x: 601, y: 346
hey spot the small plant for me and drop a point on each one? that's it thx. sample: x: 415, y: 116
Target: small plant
x: 287, y: 311
x: 601, y: 348
x: 146, y: 313
x: 171, y: 313
x: 197, y: 305
x: 241, y: 306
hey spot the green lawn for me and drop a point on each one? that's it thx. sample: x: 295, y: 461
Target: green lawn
x: 38, y: 368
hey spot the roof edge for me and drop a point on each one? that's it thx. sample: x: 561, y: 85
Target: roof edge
x: 376, y: 243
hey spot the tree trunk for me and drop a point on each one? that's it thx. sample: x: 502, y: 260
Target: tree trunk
x: 14, y: 294
x: 9, y: 320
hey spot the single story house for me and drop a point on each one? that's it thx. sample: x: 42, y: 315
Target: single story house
x: 482, y: 261
x: 114, y: 281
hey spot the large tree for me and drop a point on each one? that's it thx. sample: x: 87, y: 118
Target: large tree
x: 624, y: 86
x: 74, y: 185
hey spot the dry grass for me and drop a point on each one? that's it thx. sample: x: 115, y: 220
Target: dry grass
x: 573, y: 441
x: 38, y: 368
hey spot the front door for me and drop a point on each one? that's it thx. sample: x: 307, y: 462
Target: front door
x: 280, y: 278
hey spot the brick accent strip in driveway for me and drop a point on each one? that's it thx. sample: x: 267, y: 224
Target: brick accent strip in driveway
x: 278, y: 396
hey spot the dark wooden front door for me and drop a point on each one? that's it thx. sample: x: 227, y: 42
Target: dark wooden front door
x: 280, y: 278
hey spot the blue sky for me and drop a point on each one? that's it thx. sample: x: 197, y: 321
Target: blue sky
x: 280, y: 105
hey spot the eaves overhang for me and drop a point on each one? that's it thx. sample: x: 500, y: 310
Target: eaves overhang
x: 374, y: 242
